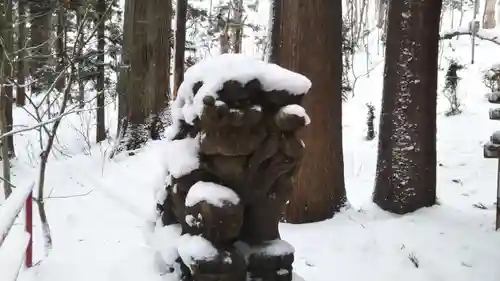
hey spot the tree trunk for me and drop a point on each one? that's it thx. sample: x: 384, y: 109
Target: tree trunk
x: 147, y: 85
x: 5, y: 148
x: 123, y: 74
x: 224, y: 40
x: 159, y: 66
x: 489, y: 17
x: 80, y: 11
x: 100, y: 122
x: 21, y: 46
x: 381, y: 13
x: 60, y: 47
x: 498, y: 12
x: 275, y: 27
x: 7, y: 97
x: 139, y: 102
x: 180, y: 44
x: 238, y: 28
x: 406, y: 167
x: 319, y: 189
x: 40, y: 29
x: 4, y: 6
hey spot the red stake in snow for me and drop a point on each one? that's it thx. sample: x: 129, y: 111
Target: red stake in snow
x: 29, y: 228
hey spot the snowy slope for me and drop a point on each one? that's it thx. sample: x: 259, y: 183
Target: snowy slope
x: 101, y: 210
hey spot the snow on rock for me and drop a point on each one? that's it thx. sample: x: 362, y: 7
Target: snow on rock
x: 194, y: 221
x: 296, y: 277
x: 295, y: 109
x: 161, y: 195
x: 182, y: 156
x: 195, y: 248
x: 165, y: 240
x: 273, y: 248
x: 172, y: 129
x: 211, y: 193
x: 215, y: 71
x: 495, y: 137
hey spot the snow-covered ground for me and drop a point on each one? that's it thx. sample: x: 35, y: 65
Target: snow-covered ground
x: 101, y: 210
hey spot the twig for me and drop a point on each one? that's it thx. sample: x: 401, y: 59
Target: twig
x: 70, y: 196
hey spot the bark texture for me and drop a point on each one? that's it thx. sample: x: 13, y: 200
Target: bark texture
x: 275, y: 31
x: 180, y: 44
x: 21, y: 46
x: 147, y: 54
x: 40, y: 29
x: 4, y: 31
x: 312, y: 46
x: 406, y: 167
x: 8, y: 71
x: 101, y: 125
x: 489, y: 19
x: 60, y: 46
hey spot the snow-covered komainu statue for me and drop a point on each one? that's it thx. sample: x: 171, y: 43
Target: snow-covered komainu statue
x: 232, y: 151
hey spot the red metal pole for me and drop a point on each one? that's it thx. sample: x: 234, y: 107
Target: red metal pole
x: 29, y: 229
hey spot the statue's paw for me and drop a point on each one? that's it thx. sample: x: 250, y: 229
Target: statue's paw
x: 248, y: 116
x: 214, y: 113
x: 291, y: 118
x: 217, y: 114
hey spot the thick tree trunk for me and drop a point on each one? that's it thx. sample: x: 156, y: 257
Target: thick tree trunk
x: 319, y: 189
x: 147, y: 38
x: 139, y: 102
x: 123, y: 73
x: 498, y: 12
x: 159, y: 35
x: 180, y: 44
x: 381, y: 13
x: 40, y: 29
x: 8, y: 41
x: 275, y: 27
x: 61, y: 47
x: 238, y: 28
x: 21, y: 46
x: 80, y: 11
x: 406, y: 168
x: 100, y: 122
x: 4, y: 24
x: 489, y: 17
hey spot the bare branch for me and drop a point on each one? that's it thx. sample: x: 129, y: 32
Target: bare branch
x: 493, y: 38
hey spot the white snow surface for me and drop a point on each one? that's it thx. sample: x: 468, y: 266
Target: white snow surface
x: 214, y: 71
x: 101, y: 211
x: 195, y: 248
x: 165, y: 240
x: 12, y: 255
x: 295, y: 109
x: 181, y: 156
x: 269, y: 248
x: 212, y: 193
